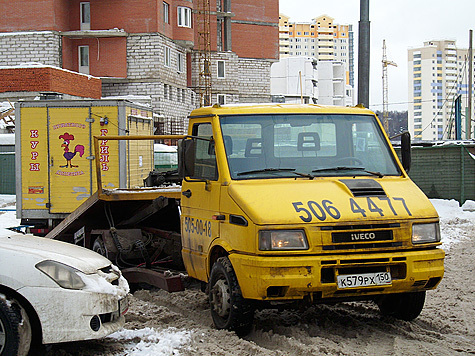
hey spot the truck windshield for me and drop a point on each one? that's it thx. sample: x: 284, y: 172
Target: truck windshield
x: 305, y: 145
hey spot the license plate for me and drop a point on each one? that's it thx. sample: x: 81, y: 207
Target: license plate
x: 363, y: 280
x: 123, y: 305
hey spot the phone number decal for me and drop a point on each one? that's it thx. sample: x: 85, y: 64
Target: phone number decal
x: 197, y: 226
x: 310, y: 210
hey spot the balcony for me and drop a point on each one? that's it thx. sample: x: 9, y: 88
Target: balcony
x: 94, y: 33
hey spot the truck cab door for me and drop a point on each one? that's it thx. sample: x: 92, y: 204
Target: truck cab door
x: 199, y: 203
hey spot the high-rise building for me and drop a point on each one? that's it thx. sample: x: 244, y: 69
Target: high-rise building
x: 437, y: 76
x: 321, y: 39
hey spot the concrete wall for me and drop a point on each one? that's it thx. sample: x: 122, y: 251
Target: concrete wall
x: 148, y: 75
x: 245, y: 80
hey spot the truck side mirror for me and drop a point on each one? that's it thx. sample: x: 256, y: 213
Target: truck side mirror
x: 406, y: 150
x: 186, y: 158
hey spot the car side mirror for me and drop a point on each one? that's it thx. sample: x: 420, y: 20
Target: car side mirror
x: 186, y: 158
x: 406, y: 150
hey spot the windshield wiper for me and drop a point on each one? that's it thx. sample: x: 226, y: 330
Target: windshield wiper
x: 348, y: 168
x: 263, y: 170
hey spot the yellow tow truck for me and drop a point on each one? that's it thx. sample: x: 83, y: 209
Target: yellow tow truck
x: 286, y: 204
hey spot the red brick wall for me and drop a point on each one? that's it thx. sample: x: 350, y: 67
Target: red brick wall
x: 252, y: 41
x: 107, y: 56
x: 256, y: 41
x: 181, y: 33
x: 134, y: 16
x: 49, y: 79
x: 37, y: 15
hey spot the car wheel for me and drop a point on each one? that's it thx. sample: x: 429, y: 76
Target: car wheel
x: 9, y: 329
x: 229, y: 309
x: 404, y: 306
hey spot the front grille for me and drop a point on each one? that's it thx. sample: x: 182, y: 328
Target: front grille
x: 363, y: 245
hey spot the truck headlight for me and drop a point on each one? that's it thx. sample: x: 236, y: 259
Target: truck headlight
x: 425, y: 233
x: 64, y: 275
x: 270, y: 240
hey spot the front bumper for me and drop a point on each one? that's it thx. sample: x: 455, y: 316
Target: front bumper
x: 65, y: 315
x: 295, y: 277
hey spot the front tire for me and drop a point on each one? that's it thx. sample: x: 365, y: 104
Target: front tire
x: 404, y: 306
x: 229, y: 309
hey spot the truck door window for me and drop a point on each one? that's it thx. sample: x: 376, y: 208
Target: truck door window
x: 205, y: 157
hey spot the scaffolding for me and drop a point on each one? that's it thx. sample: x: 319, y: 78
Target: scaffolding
x: 204, y: 51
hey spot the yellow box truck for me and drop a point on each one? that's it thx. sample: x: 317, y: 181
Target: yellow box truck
x: 280, y: 205
x: 55, y: 158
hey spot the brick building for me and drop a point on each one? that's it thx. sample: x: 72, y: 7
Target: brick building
x: 147, y: 48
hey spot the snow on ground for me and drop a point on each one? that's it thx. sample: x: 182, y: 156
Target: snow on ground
x: 456, y: 223
x: 454, y: 220
x: 152, y: 342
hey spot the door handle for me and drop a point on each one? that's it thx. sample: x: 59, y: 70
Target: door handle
x: 186, y: 193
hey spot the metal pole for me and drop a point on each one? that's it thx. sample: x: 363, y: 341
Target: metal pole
x: 363, y: 54
x: 470, y: 79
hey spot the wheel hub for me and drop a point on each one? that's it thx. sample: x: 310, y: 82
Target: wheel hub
x: 221, y: 298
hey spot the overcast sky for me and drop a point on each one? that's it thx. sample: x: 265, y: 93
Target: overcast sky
x: 402, y: 23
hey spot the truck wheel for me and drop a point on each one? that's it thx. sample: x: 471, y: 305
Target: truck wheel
x: 99, y: 247
x: 404, y: 306
x: 229, y: 309
x: 9, y: 333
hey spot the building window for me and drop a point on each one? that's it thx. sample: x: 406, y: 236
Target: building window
x: 221, y: 99
x: 166, y: 12
x: 85, y: 14
x: 180, y: 62
x: 168, y: 56
x: 184, y: 16
x: 221, y: 69
x: 83, y: 52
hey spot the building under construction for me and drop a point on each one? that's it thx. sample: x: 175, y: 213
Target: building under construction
x: 173, y: 54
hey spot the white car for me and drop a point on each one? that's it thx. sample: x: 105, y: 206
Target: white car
x: 52, y: 292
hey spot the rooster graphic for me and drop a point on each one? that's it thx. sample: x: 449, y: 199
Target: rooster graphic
x: 67, y: 138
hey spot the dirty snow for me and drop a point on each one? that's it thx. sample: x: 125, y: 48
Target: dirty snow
x: 179, y: 324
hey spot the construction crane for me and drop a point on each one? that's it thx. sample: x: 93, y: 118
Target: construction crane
x: 203, y: 56
x: 386, y: 63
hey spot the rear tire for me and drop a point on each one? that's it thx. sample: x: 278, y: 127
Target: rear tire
x: 404, y: 306
x: 229, y: 309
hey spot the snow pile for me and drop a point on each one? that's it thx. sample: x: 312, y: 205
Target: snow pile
x: 455, y: 221
x: 7, y: 218
x: 152, y: 342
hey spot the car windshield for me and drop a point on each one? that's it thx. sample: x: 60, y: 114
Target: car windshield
x: 306, y: 145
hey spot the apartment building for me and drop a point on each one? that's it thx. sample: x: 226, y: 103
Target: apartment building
x: 146, y: 48
x: 437, y: 75
x: 321, y: 38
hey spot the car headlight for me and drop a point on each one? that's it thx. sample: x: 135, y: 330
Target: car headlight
x: 64, y: 275
x: 425, y: 233
x: 270, y: 240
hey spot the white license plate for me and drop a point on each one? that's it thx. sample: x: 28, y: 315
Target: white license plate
x: 123, y: 305
x: 363, y: 280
